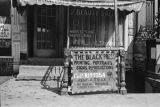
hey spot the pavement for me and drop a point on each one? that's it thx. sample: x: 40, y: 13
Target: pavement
x: 32, y: 94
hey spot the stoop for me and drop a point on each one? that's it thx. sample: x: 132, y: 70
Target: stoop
x: 37, y: 72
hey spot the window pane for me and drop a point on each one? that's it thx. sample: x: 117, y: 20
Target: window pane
x: 92, y: 27
x: 81, y: 32
x: 46, y: 27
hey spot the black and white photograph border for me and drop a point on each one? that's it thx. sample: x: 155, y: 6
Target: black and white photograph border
x: 79, y: 53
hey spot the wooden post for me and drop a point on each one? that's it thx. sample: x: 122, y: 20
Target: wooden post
x: 116, y: 24
x: 16, y: 38
x: 122, y: 73
x: 159, y: 18
x: 64, y: 85
x: 68, y: 39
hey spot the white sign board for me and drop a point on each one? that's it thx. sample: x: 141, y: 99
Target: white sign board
x: 5, y: 31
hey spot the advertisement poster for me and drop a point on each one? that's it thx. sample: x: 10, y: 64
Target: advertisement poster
x: 94, y: 71
x: 5, y: 37
x: 5, y: 31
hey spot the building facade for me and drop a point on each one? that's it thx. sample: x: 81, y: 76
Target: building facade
x: 41, y: 31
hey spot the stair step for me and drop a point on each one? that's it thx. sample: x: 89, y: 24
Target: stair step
x: 43, y: 61
x: 36, y: 72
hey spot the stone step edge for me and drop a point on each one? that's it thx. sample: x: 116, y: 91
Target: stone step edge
x: 32, y: 68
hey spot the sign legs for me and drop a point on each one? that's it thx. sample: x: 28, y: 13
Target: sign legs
x: 123, y: 89
x: 64, y: 85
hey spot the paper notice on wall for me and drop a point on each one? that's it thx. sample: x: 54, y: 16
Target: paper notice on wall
x: 94, y: 70
x: 5, y: 31
x: 153, y: 53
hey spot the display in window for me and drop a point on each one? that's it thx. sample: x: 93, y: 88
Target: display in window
x: 94, y: 28
x: 5, y: 36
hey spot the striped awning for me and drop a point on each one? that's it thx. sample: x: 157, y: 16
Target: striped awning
x: 105, y: 4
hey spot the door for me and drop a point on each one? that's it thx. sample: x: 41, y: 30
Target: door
x: 45, y: 31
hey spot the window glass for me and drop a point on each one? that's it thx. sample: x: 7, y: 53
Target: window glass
x: 94, y: 27
x: 5, y: 36
x: 46, y: 27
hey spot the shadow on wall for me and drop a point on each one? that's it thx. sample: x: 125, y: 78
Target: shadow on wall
x: 135, y: 66
x: 129, y: 69
x: 139, y: 65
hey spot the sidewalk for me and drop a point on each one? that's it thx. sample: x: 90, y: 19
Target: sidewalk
x: 32, y: 94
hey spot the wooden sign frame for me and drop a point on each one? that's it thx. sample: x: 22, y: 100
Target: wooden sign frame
x: 95, y: 70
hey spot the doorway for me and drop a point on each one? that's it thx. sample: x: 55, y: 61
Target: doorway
x: 45, y: 42
x: 46, y: 31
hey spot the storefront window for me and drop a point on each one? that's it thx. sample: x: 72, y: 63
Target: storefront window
x: 94, y: 27
x: 5, y: 28
x: 5, y: 36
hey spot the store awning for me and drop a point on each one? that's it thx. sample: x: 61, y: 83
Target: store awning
x: 106, y: 4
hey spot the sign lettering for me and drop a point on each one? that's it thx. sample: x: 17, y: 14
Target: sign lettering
x: 90, y: 12
x: 5, y: 31
x: 94, y: 71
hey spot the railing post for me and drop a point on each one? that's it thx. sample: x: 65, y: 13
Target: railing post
x: 123, y: 89
x: 64, y: 86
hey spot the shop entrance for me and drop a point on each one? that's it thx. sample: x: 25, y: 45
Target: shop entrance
x: 45, y: 42
x: 46, y: 31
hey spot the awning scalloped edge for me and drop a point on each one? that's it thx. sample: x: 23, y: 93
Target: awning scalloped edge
x: 123, y: 5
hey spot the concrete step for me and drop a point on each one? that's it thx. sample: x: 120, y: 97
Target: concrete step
x: 43, y: 61
x: 36, y: 72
